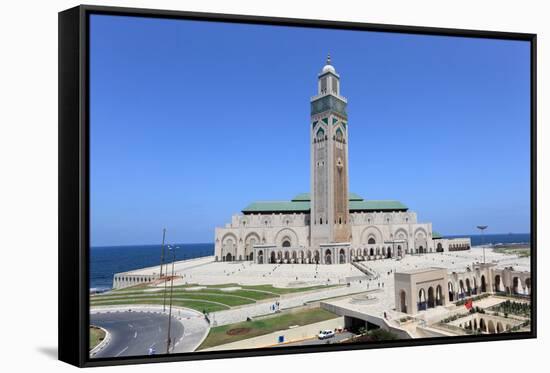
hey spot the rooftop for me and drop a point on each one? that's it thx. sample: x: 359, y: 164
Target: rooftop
x: 419, y: 270
x: 301, y: 204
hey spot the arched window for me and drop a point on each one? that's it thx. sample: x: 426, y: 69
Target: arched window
x: 339, y: 135
x: 371, y: 241
x: 286, y: 243
x: 320, y: 134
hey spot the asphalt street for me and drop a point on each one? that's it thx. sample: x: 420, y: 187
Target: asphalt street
x: 133, y: 333
x: 316, y: 341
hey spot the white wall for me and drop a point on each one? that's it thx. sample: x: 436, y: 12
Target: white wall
x: 28, y: 153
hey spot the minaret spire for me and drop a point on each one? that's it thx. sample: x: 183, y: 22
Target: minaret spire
x: 329, y: 205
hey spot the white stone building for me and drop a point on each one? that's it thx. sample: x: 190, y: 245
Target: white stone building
x: 421, y: 289
x: 330, y: 225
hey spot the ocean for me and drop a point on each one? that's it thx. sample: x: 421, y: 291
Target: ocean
x: 493, y: 239
x: 105, y: 261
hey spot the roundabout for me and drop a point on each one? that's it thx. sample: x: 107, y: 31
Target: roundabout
x: 135, y: 331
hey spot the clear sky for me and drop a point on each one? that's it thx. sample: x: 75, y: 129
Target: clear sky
x: 192, y: 121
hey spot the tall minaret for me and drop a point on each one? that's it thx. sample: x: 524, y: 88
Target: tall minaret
x: 329, y: 161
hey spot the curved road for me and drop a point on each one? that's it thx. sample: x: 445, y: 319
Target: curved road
x: 133, y: 333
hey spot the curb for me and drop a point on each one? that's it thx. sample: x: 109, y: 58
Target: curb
x: 101, y: 345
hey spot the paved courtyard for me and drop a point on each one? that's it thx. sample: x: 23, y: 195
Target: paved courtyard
x: 378, y: 290
x: 206, y: 271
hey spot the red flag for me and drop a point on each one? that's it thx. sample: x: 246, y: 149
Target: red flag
x: 469, y: 304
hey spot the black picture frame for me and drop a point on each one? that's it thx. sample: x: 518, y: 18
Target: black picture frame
x: 74, y: 201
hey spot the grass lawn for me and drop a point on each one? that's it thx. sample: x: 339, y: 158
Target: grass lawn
x: 96, y: 336
x: 252, y: 295
x: 193, y: 304
x: 210, y: 299
x: 248, y: 329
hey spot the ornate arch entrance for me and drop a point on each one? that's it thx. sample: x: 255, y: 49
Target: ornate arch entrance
x: 483, y: 284
x: 497, y: 284
x: 316, y: 257
x: 260, y: 257
x: 451, y: 292
x: 328, y: 257
x: 342, y: 256
x: 422, y: 300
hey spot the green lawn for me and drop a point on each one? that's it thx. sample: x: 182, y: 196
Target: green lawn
x: 193, y: 304
x: 96, y: 336
x: 178, y: 291
x: 198, y: 299
x: 219, y: 335
x: 228, y: 300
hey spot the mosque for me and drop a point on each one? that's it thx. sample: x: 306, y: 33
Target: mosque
x: 330, y: 225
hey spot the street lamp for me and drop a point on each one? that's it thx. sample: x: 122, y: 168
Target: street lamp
x: 173, y: 251
x: 162, y: 251
x: 165, y: 283
x: 482, y: 228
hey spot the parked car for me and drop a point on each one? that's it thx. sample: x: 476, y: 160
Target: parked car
x: 325, y: 334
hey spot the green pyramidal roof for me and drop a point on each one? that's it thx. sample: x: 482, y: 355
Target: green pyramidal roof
x: 277, y: 207
x: 301, y: 204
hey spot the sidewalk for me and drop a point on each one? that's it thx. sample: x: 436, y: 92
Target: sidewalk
x: 290, y: 335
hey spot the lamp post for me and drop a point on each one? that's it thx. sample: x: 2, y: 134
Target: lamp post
x: 162, y: 251
x: 482, y: 228
x: 165, y: 283
x: 161, y: 265
x: 168, y: 341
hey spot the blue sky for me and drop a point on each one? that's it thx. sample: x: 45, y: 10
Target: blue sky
x: 191, y: 121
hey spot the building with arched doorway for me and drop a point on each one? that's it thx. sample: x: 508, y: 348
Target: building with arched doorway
x: 329, y: 225
x: 420, y: 289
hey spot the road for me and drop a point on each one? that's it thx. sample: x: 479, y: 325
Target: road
x: 316, y: 341
x: 133, y: 333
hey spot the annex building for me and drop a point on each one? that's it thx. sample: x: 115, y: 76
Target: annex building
x: 330, y: 225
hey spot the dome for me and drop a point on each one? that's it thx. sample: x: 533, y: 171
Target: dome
x: 328, y: 67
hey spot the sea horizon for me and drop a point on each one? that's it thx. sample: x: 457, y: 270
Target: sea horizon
x: 107, y: 260
x: 488, y: 235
